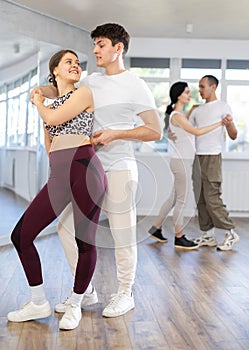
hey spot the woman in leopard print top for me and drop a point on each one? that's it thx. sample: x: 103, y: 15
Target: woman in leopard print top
x: 82, y: 124
x: 76, y: 176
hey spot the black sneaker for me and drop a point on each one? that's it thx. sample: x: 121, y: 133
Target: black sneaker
x: 156, y: 233
x: 185, y: 243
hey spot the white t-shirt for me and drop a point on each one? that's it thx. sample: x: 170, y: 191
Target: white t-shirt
x: 184, y: 145
x: 207, y: 114
x: 118, y: 99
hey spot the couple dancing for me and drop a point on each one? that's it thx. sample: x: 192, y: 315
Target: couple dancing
x: 81, y: 180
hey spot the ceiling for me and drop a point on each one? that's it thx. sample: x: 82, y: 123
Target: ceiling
x: 213, y: 19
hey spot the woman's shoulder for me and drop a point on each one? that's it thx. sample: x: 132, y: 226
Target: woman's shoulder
x: 83, y: 93
x: 83, y: 89
x: 176, y: 114
x: 177, y: 118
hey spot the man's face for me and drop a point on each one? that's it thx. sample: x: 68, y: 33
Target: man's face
x: 206, y: 90
x: 104, y: 52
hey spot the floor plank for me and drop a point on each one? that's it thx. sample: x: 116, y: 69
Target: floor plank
x: 194, y: 300
x: 11, y: 209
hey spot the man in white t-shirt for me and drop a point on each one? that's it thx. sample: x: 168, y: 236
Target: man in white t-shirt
x: 119, y: 97
x: 207, y: 170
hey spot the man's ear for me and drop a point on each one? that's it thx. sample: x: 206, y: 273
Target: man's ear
x: 119, y: 48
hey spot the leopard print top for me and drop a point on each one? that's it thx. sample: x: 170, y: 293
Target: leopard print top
x: 82, y: 124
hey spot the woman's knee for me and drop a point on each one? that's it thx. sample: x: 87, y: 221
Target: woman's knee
x: 16, y: 235
x: 21, y: 236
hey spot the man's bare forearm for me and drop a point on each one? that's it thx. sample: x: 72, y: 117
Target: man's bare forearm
x: 48, y: 91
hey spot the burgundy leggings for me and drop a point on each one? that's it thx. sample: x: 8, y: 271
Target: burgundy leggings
x: 76, y: 176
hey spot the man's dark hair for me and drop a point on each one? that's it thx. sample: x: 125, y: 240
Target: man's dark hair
x: 113, y: 31
x: 211, y: 79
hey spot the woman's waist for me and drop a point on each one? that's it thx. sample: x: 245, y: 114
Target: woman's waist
x: 69, y: 141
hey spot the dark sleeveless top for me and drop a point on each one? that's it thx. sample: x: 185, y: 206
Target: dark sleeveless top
x: 82, y: 124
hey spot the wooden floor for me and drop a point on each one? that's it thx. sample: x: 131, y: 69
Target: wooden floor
x: 196, y: 300
x: 11, y: 209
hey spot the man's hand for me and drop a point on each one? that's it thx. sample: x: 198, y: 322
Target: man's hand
x: 38, y: 98
x: 171, y: 135
x: 36, y: 90
x: 226, y: 120
x: 49, y: 91
x: 104, y: 137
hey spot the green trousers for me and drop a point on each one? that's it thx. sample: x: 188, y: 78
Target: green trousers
x: 207, y: 181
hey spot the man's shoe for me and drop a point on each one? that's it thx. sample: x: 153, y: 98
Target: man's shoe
x: 206, y: 240
x: 230, y: 239
x: 71, y: 317
x: 88, y: 299
x: 156, y: 233
x: 184, y: 243
x: 30, y: 311
x: 119, y: 305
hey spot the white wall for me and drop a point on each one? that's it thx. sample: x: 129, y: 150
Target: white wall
x: 189, y: 48
x: 20, y: 172
x: 155, y: 179
x: 155, y: 183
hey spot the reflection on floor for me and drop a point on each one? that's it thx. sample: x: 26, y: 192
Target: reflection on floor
x: 11, y: 209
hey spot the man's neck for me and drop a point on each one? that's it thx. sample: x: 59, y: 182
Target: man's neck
x: 116, y: 67
x: 211, y: 99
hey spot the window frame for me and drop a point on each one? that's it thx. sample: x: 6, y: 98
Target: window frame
x: 24, y: 85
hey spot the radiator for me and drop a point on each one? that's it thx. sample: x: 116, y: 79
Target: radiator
x: 236, y: 190
x: 9, y: 171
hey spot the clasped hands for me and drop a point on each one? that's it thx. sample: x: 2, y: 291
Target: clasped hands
x: 37, y: 96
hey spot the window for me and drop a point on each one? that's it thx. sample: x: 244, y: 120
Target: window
x: 237, y: 70
x: 156, y: 72
x: 2, y: 117
x: 18, y: 117
x: 237, y: 98
x: 197, y: 68
x: 150, y: 67
x: 83, y: 66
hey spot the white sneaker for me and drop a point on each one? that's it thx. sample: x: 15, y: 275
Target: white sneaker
x: 120, y: 304
x: 230, y: 239
x: 207, y: 240
x: 71, y: 317
x: 30, y: 311
x: 88, y: 299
